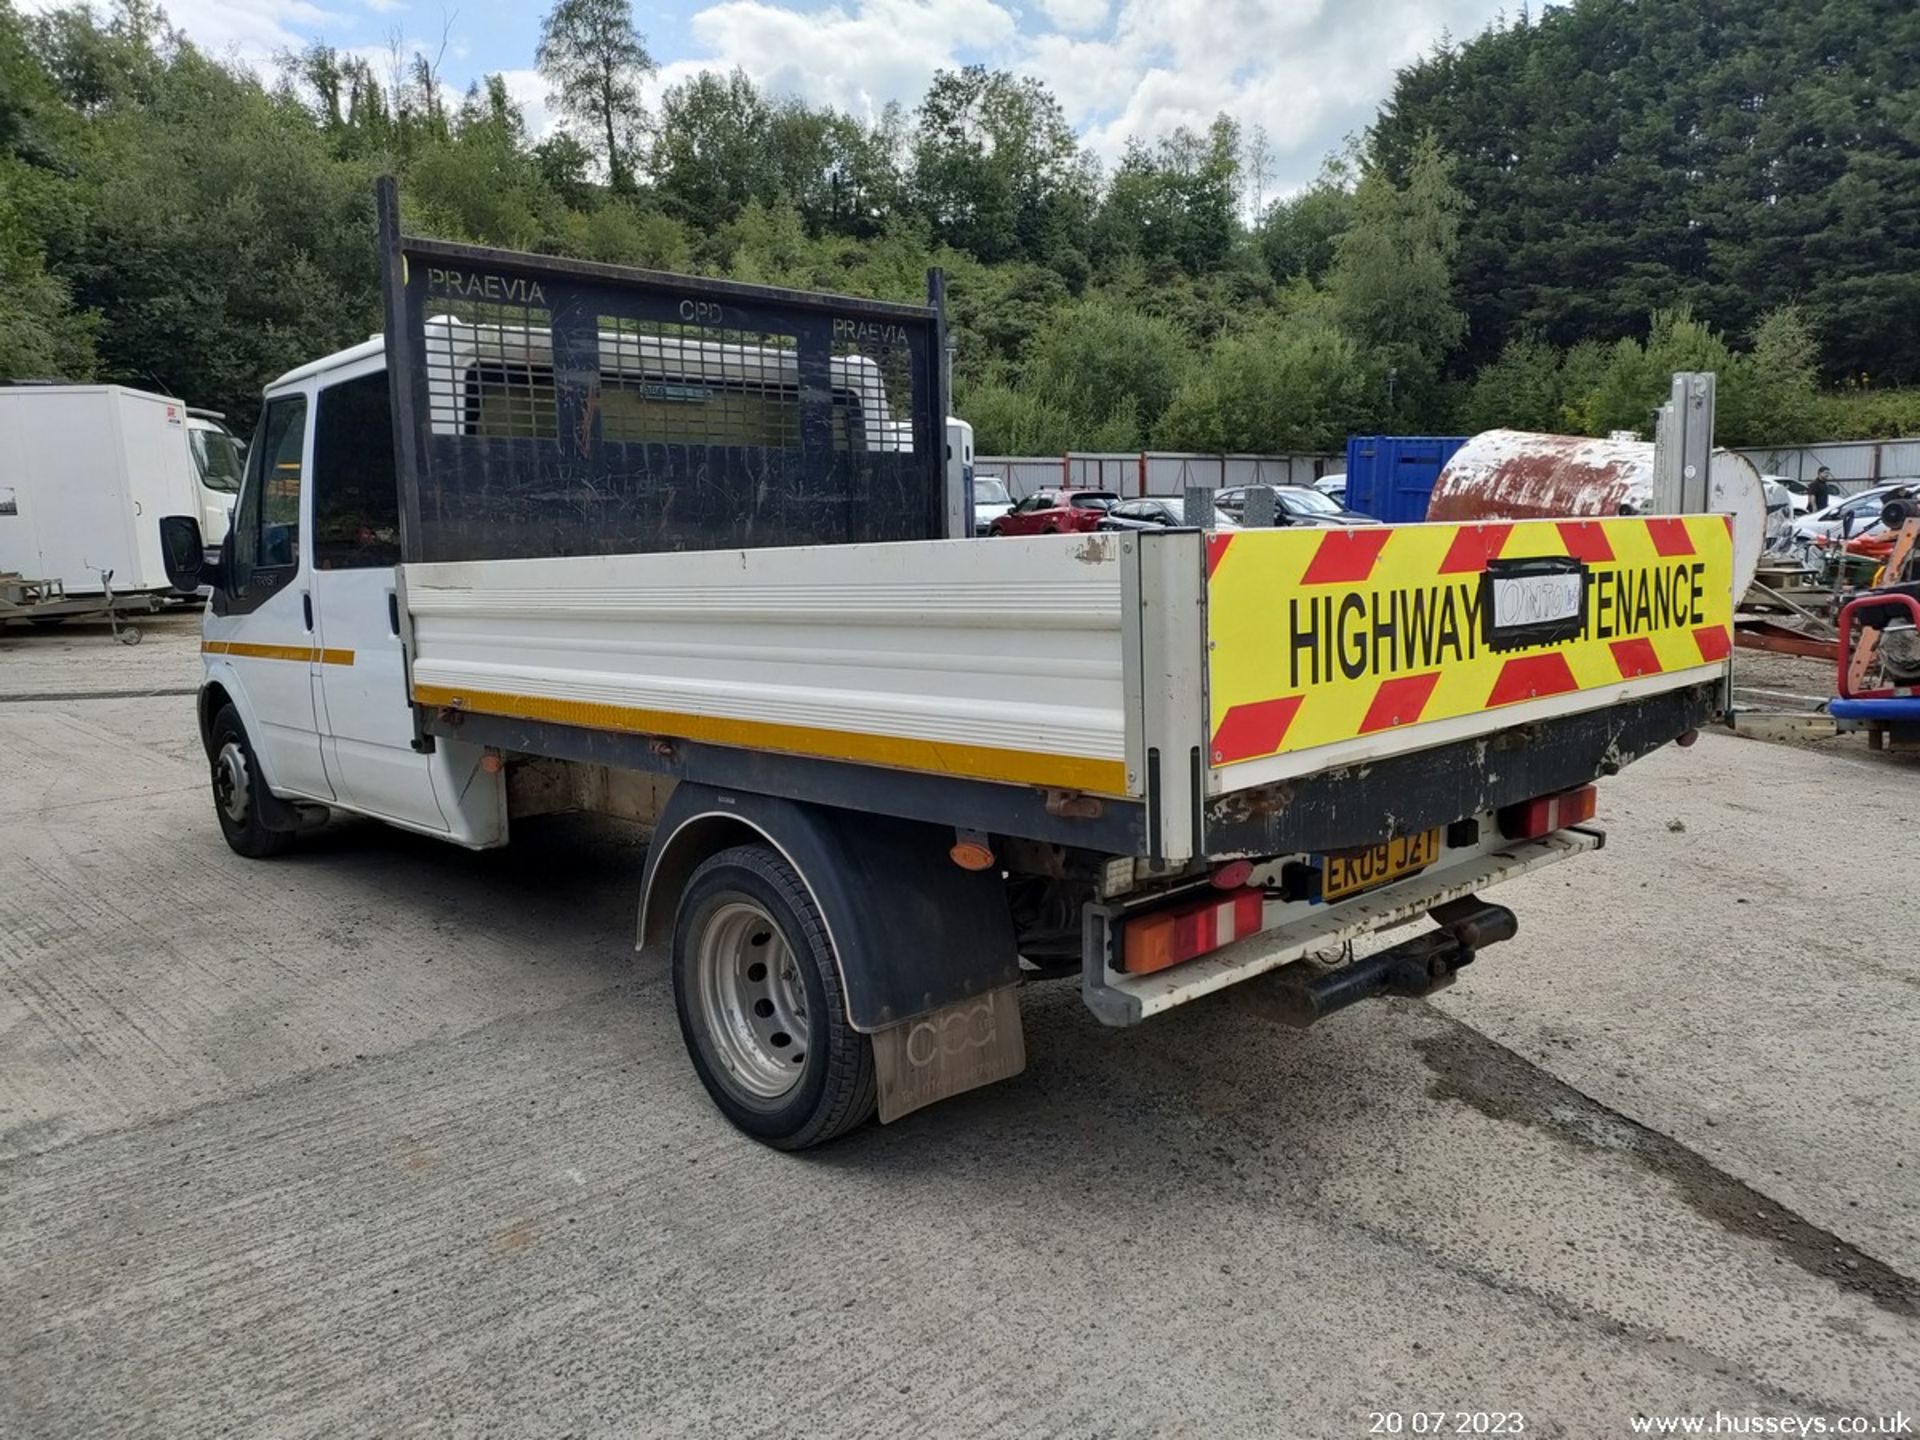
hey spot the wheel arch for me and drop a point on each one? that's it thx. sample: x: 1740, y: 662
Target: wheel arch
x: 213, y: 696
x: 910, y: 931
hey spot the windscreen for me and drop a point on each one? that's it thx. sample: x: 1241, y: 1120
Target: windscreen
x: 217, y: 459
x: 1306, y: 502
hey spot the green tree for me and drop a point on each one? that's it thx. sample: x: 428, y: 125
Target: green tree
x: 595, y: 59
x: 1623, y: 156
x: 1107, y: 367
x: 1174, y: 204
x: 1638, y: 376
x: 1285, y: 384
x: 1009, y: 419
x: 1299, y: 236
x: 713, y: 153
x: 1392, y: 282
x: 997, y: 169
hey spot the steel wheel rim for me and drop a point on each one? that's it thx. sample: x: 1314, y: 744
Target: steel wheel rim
x: 752, y: 1001
x: 230, y: 782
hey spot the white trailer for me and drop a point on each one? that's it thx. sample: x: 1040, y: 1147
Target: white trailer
x: 892, y: 776
x: 85, y: 473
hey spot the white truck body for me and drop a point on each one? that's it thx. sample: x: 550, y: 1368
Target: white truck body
x: 86, y: 471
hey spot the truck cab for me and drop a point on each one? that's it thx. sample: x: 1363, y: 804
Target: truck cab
x: 219, y: 460
x: 302, y: 637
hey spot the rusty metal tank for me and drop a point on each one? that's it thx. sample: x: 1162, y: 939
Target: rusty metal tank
x: 1518, y: 475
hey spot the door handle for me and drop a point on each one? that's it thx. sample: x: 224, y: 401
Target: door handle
x: 306, y: 608
x: 393, y: 611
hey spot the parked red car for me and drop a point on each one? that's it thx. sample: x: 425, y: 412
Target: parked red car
x: 1055, y: 512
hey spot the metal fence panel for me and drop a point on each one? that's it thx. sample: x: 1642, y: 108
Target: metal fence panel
x: 1021, y: 474
x: 1152, y: 472
x: 1856, y: 464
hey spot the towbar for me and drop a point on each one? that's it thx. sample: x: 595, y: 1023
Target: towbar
x: 1306, y: 992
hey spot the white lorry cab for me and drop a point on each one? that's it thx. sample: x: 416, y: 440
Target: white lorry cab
x: 219, y: 460
x: 686, y: 552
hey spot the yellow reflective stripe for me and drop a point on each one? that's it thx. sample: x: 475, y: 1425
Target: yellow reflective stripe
x: 308, y: 653
x: 977, y: 762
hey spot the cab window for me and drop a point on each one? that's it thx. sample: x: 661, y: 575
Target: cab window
x: 266, y: 532
x: 356, y: 493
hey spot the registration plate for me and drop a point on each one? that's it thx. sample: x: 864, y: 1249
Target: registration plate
x: 1347, y: 872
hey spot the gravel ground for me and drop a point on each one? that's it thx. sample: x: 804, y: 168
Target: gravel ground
x: 388, y: 1138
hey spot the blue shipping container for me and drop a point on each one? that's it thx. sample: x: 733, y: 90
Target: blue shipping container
x: 1390, y: 477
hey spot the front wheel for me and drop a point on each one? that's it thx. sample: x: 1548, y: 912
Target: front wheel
x: 761, y: 1006
x: 238, y: 791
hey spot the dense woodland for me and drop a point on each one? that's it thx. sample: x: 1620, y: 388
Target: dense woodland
x: 1542, y: 223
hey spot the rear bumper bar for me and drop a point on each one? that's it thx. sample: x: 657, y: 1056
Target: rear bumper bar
x: 1294, y: 932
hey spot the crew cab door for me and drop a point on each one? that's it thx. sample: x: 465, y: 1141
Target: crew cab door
x: 366, y: 717
x: 262, y: 621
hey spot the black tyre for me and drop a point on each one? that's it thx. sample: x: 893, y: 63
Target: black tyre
x: 238, y: 791
x: 760, y: 1003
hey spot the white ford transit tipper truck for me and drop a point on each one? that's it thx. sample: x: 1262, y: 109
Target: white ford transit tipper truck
x: 572, y: 537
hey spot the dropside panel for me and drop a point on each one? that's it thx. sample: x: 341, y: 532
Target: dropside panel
x: 997, y: 661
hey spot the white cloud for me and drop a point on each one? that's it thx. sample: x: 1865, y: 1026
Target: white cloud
x: 856, y: 59
x: 529, y: 91
x: 1077, y: 17
x: 384, y: 7
x: 1306, y: 71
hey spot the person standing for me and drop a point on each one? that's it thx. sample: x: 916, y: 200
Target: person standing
x: 1821, y: 490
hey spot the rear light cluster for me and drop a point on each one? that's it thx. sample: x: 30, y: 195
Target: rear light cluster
x: 1168, y: 937
x: 1544, y: 814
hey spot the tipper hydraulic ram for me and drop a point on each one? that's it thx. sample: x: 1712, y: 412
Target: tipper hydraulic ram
x: 675, y: 550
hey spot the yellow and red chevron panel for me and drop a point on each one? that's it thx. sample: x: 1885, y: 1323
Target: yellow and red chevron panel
x: 1319, y: 636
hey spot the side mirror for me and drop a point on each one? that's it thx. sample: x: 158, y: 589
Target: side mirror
x: 183, y: 553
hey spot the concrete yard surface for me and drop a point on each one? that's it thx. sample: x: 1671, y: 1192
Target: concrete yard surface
x: 384, y: 1137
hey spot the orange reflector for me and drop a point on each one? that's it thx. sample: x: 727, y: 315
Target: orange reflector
x: 1232, y: 875
x: 969, y: 855
x: 1544, y: 814
x: 491, y: 763
x: 1168, y: 937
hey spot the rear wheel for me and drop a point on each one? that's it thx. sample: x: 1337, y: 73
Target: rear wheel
x: 238, y: 791
x: 760, y: 1003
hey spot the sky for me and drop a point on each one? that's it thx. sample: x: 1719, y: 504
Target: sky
x: 1311, y: 72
